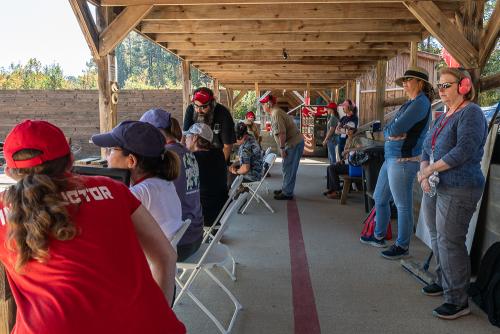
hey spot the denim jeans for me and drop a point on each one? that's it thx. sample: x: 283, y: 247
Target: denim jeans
x: 290, y: 166
x: 331, y: 145
x: 395, y: 181
x: 447, y: 215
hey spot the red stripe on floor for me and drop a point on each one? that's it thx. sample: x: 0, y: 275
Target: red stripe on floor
x: 304, y: 306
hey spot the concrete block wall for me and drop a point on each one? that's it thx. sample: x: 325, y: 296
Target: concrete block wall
x: 76, y: 112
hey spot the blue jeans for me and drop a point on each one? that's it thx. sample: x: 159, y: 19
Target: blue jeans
x: 332, y: 155
x: 395, y: 181
x: 290, y: 166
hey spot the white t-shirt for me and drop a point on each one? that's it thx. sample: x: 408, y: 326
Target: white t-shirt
x: 160, y: 198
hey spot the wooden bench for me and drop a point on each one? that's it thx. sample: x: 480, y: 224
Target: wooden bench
x: 348, y: 180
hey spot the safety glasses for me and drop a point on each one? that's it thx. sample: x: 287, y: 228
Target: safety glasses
x: 445, y: 85
x: 199, y: 107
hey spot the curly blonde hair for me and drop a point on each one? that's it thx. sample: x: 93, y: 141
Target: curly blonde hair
x: 36, y: 210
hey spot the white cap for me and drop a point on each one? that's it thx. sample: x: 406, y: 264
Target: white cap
x: 200, y: 129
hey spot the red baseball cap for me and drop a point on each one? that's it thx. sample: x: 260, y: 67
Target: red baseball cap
x: 36, y: 135
x: 331, y: 105
x: 268, y: 98
x: 203, y: 97
x: 250, y: 114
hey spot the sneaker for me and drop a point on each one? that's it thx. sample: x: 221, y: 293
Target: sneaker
x: 277, y: 192
x: 281, y: 196
x: 450, y: 311
x: 372, y: 241
x: 333, y: 195
x: 433, y: 289
x: 395, y: 252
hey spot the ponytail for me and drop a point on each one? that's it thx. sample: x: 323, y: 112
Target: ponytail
x: 165, y: 167
x: 36, y: 210
x: 172, y: 165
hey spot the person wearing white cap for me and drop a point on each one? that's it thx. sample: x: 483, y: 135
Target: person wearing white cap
x: 213, y: 170
x: 290, y: 143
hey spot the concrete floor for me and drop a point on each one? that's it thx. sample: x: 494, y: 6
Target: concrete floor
x: 355, y: 289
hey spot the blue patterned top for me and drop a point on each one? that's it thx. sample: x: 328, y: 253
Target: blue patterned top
x: 250, y: 153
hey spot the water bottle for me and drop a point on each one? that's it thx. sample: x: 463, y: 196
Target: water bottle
x: 433, y: 181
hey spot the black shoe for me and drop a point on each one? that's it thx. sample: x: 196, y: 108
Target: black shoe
x: 283, y: 197
x: 373, y: 241
x: 433, y: 289
x: 450, y: 311
x: 395, y: 252
x: 277, y: 192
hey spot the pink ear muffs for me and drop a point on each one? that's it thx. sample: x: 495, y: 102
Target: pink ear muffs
x: 464, y: 86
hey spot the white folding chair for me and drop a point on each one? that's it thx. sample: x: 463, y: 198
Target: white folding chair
x: 268, y: 150
x: 180, y: 232
x: 254, y: 187
x: 207, y: 257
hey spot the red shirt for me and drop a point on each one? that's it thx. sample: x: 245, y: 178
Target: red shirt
x: 98, y: 282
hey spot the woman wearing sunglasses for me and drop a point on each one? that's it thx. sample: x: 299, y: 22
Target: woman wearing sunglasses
x: 404, y: 136
x: 451, y: 178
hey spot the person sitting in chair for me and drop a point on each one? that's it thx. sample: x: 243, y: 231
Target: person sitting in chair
x: 250, y: 156
x: 341, y: 167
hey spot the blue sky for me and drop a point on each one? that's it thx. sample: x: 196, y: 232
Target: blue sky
x: 46, y: 30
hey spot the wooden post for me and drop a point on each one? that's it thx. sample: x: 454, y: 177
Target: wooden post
x: 472, y: 25
x: 216, y: 89
x: 258, y: 110
x: 413, y: 53
x: 230, y: 98
x: 380, y: 87
x: 186, y: 85
x: 106, y: 79
x: 7, y: 304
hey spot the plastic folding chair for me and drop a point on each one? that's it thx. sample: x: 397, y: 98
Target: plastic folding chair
x: 254, y: 187
x: 207, y: 257
x: 268, y: 150
x: 180, y: 232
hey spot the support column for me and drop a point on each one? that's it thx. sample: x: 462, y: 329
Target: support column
x: 230, y: 98
x: 7, y: 304
x: 472, y: 26
x: 413, y: 53
x: 106, y: 79
x: 186, y: 85
x: 216, y: 89
x: 380, y: 93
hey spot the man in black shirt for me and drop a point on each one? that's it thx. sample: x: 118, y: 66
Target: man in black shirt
x: 205, y: 109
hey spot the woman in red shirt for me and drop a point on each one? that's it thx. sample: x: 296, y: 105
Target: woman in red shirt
x: 72, y: 246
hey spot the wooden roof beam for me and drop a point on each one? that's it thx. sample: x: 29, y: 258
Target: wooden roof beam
x: 291, y: 54
x: 282, y: 67
x: 87, y: 24
x: 240, y: 2
x: 328, y: 11
x: 445, y: 32
x: 491, y: 34
x: 274, y: 59
x: 234, y: 26
x: 285, y: 45
x: 121, y: 26
x: 301, y: 37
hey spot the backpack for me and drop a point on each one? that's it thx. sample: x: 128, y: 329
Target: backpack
x: 485, y: 291
x: 369, y: 226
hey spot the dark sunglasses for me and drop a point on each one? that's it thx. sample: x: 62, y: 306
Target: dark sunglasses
x: 407, y: 79
x: 445, y: 85
x: 203, y: 106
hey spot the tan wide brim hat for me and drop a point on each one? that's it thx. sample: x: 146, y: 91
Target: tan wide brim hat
x: 414, y: 72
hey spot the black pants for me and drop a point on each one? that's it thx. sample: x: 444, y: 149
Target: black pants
x: 332, y: 175
x: 186, y: 250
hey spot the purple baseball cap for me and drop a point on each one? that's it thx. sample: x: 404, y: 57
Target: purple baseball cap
x: 159, y: 118
x: 138, y: 137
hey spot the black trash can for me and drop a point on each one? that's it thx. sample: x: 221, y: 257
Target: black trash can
x: 371, y: 169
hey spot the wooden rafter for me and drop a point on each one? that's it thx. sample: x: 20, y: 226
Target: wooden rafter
x: 444, y: 31
x: 87, y: 24
x: 490, y: 82
x: 328, y: 11
x: 239, y: 2
x: 490, y: 36
x: 228, y: 26
x: 121, y: 27
x: 323, y: 95
x: 303, y: 37
x: 238, y: 97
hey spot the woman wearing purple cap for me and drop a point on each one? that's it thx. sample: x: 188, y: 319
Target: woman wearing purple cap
x: 187, y: 184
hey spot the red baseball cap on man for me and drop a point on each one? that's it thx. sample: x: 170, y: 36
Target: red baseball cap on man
x: 268, y: 98
x: 37, y: 135
x: 331, y: 105
x: 203, y: 97
x: 250, y: 114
